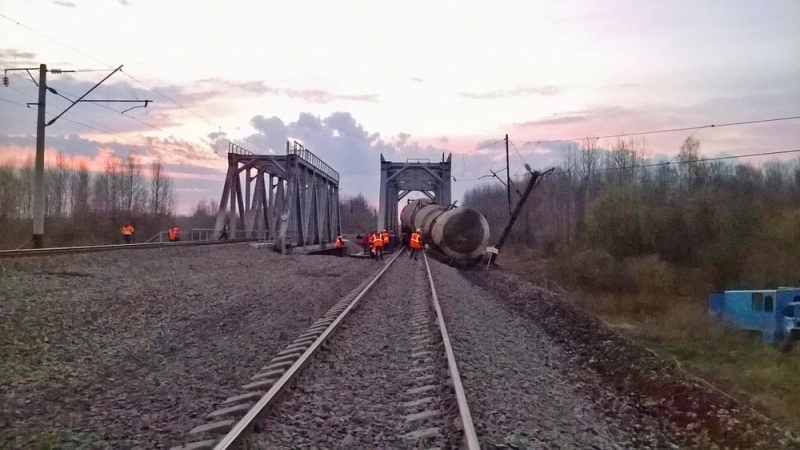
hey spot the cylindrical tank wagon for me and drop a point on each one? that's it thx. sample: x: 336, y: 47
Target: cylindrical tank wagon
x: 460, y: 233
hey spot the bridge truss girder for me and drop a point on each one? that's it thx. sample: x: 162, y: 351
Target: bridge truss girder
x: 398, y: 179
x: 290, y: 200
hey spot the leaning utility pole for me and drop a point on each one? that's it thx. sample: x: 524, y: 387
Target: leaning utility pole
x: 535, y: 175
x: 38, y: 193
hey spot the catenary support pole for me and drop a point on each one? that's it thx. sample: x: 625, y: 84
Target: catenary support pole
x: 38, y: 194
x: 508, y: 178
x: 507, y: 230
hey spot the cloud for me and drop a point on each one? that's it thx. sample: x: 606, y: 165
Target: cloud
x: 320, y: 96
x: 338, y: 139
x: 611, y: 120
x: 10, y: 58
x: 64, y: 3
x: 344, y: 144
x: 557, y: 119
x: 545, y: 91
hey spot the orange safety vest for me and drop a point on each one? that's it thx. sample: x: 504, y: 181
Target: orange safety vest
x: 377, y: 241
x: 416, y: 240
x: 339, y: 242
x: 385, y: 237
x: 127, y: 230
x: 173, y: 233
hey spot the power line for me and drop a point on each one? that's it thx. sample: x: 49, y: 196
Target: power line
x: 114, y: 110
x: 173, y: 101
x: 688, y: 161
x: 484, y: 146
x: 668, y: 163
x: 12, y: 102
x: 671, y: 130
x: 54, y: 40
x: 111, y: 133
x: 106, y: 64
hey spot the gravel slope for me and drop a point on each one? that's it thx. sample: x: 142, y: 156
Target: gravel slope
x: 648, y: 399
x: 519, y: 384
x: 130, y: 349
x: 351, y: 396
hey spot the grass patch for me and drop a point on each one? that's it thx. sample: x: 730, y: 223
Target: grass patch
x: 673, y: 321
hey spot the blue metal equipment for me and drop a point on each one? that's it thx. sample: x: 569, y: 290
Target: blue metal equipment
x: 774, y: 313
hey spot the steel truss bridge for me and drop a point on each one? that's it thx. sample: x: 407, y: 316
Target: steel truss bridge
x: 288, y: 201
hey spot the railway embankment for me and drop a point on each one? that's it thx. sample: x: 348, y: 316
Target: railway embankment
x: 126, y: 349
x: 632, y: 381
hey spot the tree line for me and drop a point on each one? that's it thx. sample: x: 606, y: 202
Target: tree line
x: 606, y: 208
x: 82, y: 207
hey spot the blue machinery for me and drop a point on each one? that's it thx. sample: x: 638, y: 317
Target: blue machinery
x: 773, y: 313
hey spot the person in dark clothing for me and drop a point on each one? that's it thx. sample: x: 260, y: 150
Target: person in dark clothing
x: 405, y: 238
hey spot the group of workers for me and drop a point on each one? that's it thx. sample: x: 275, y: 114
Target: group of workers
x: 377, y: 243
x: 127, y: 230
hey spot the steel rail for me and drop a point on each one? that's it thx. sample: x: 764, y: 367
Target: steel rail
x: 470, y: 437
x: 237, y: 433
x: 98, y: 248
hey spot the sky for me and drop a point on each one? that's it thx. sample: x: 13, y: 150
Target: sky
x: 352, y: 80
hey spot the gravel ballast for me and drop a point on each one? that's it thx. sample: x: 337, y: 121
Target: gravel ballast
x: 649, y: 399
x: 520, y: 386
x: 128, y: 349
x: 355, y: 394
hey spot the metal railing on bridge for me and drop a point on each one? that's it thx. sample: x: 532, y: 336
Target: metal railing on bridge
x: 314, y: 160
x: 209, y: 234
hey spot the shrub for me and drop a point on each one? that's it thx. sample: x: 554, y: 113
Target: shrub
x: 594, y: 269
x: 649, y: 275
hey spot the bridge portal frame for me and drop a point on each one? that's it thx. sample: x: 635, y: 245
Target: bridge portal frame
x: 290, y: 200
x: 398, y: 179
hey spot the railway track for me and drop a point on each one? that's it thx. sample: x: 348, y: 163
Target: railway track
x: 100, y: 248
x: 393, y: 351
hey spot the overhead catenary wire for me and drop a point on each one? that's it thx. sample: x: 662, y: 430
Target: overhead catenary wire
x: 687, y: 161
x: 12, y: 102
x: 209, y: 122
x: 669, y: 130
x: 666, y: 163
x: 110, y: 133
x: 108, y: 130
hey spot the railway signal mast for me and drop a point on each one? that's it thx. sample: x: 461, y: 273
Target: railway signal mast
x: 38, y: 194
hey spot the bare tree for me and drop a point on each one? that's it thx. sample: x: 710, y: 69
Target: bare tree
x: 690, y: 170
x: 162, y: 198
x: 25, y: 188
x: 57, y: 187
x: 134, y: 192
x: 7, y: 184
x: 79, y: 192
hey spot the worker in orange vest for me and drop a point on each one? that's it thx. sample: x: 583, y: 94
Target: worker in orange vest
x: 387, y: 244
x: 127, y: 233
x: 339, y: 246
x: 415, y: 243
x: 173, y: 234
x: 377, y: 245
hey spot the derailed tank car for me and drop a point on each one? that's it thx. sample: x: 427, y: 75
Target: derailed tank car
x: 459, y: 233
